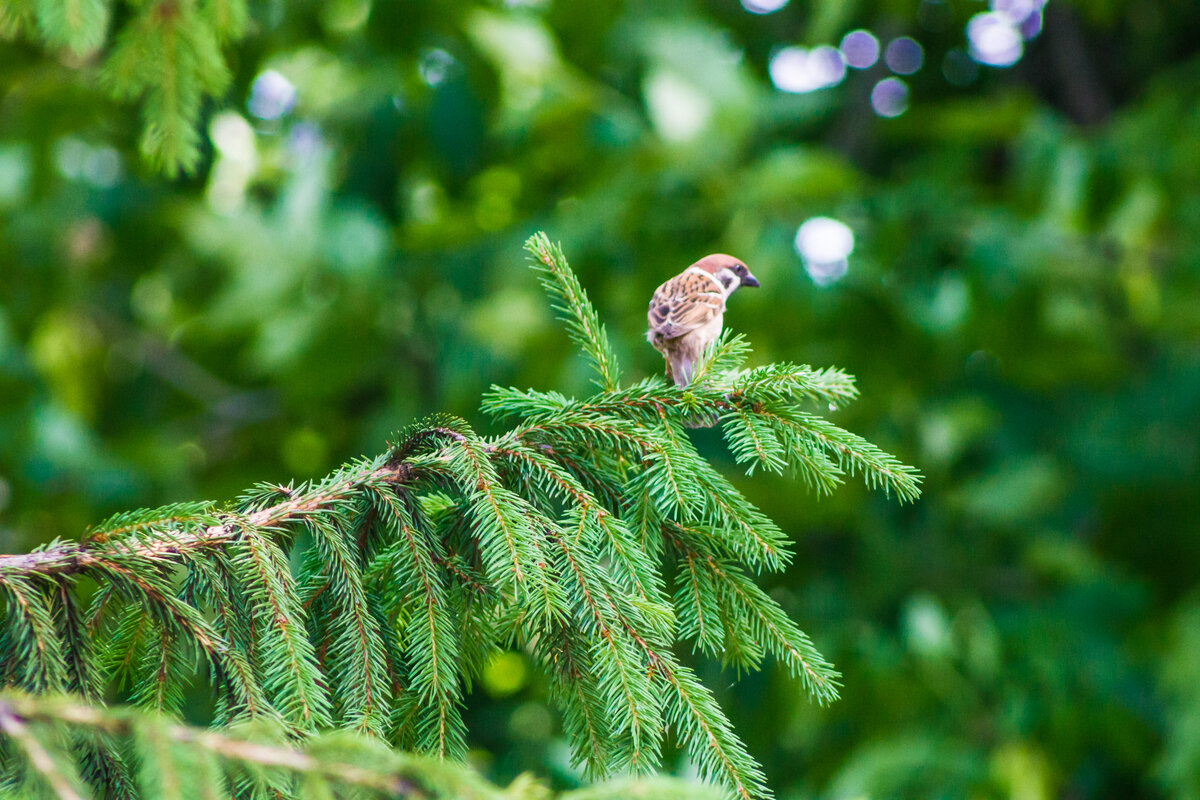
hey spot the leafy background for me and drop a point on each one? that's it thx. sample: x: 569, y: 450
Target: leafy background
x: 1022, y: 310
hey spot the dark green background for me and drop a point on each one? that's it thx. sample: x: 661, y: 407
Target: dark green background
x: 1022, y: 311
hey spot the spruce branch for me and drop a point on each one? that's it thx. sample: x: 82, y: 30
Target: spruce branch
x: 182, y: 761
x: 166, y: 544
x: 166, y: 54
x: 370, y: 600
x: 57, y: 771
x: 78, y: 25
x: 389, y: 775
x: 568, y: 298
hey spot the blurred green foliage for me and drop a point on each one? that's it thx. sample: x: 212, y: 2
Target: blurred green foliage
x: 1022, y: 310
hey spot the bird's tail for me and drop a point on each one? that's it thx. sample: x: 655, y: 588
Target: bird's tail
x: 681, y: 367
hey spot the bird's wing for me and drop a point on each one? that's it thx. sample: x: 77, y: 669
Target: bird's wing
x: 681, y: 305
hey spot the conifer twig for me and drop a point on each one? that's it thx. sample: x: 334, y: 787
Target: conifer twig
x: 67, y: 558
x: 17, y: 710
x: 41, y: 760
x: 371, y: 599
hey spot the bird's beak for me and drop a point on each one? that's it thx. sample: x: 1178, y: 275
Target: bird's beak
x: 750, y: 281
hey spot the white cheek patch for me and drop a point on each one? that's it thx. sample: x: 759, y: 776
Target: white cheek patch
x: 729, y: 280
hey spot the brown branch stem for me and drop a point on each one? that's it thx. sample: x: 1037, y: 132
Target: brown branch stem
x: 68, y: 558
x: 74, y: 557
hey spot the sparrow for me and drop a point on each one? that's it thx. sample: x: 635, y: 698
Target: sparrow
x: 685, y: 312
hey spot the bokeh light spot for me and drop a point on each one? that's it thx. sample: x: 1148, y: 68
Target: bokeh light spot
x: 102, y: 167
x: 994, y: 40
x: 426, y: 202
x: 1014, y: 10
x: 958, y: 68
x: 15, y: 171
x: 860, y: 49
x: 1031, y: 26
x: 926, y: 627
x: 305, y: 141
x: 1023, y: 15
x: 889, y: 98
x: 678, y: 109
x: 824, y: 245
x: 505, y: 674
x: 75, y: 159
x: 531, y: 722
x: 345, y: 16
x: 355, y: 241
x: 69, y: 155
x: 763, y: 6
x: 232, y: 136
x: 797, y: 70
x: 435, y: 66
x: 824, y: 239
x: 151, y: 298
x: 904, y: 56
x: 234, y: 140
x: 271, y: 95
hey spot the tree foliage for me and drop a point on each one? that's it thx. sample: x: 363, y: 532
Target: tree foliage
x: 414, y: 568
x: 1019, y: 310
x: 45, y: 735
x: 166, y: 55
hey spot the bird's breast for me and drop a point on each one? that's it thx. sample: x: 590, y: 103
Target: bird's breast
x: 709, y: 330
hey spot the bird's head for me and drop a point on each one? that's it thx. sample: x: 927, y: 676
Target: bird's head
x: 730, y: 272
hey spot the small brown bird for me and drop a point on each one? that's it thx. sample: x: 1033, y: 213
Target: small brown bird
x: 685, y: 312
